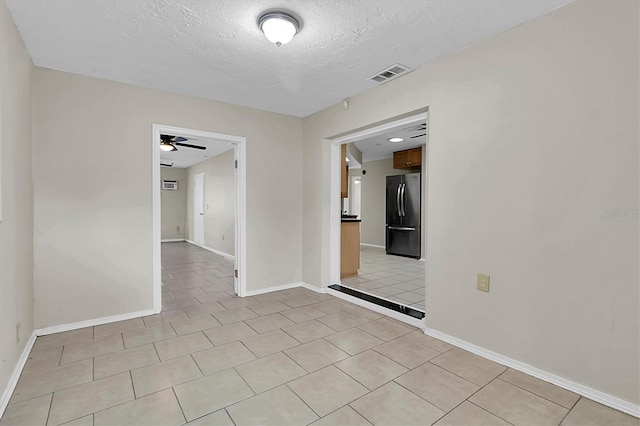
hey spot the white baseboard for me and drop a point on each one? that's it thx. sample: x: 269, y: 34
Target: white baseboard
x: 372, y: 245
x: 13, y: 381
x: 221, y: 253
x: 586, y: 391
x: 172, y: 240
x: 274, y: 288
x: 92, y: 322
x: 314, y: 288
x: 212, y: 250
x: 377, y: 308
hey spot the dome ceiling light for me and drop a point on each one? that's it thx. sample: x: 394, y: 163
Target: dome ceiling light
x: 279, y: 27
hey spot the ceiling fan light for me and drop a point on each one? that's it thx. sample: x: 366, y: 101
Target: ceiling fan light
x: 167, y: 146
x: 278, y: 27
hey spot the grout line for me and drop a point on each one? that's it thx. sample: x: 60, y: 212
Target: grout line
x: 571, y: 409
x: 180, y: 405
x: 133, y: 387
x: 50, y: 406
x: 229, y: 414
x: 531, y: 392
x: 196, y: 363
x: 483, y: 409
x: 300, y: 398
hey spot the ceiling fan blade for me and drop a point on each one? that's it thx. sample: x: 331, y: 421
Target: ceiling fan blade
x: 190, y: 146
x: 417, y: 136
x: 166, y: 165
x: 179, y: 139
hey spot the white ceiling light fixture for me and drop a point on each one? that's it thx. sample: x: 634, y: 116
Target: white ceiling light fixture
x: 395, y: 140
x: 279, y: 27
x: 167, y: 146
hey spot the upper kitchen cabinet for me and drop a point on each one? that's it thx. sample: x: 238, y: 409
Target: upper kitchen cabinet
x: 344, y: 172
x: 407, y: 159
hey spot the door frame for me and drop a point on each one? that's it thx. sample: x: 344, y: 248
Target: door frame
x: 334, y: 192
x: 240, y: 144
x: 204, y: 176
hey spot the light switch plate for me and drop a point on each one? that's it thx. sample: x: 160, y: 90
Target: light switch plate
x: 483, y: 282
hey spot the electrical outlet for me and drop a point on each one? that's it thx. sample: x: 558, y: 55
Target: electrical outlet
x: 18, y: 332
x: 483, y: 282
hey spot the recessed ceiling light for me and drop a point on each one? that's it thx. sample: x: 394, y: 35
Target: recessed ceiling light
x: 395, y: 140
x: 279, y: 27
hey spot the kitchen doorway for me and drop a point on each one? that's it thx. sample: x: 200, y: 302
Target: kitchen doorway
x: 385, y: 278
x: 237, y: 147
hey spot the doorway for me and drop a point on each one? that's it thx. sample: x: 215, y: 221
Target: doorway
x: 385, y: 278
x: 238, y: 144
x: 198, y: 209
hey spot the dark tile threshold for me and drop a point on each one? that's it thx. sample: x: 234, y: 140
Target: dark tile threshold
x: 414, y: 313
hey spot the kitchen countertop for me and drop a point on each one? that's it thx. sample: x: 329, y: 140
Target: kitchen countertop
x: 346, y: 219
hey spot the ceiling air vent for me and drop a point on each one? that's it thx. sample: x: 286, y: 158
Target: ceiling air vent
x: 394, y: 71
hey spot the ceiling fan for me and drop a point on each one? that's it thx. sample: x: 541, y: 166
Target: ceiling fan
x: 168, y: 143
x: 166, y: 164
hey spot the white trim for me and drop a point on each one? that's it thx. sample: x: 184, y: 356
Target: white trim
x: 333, y: 199
x: 593, y: 394
x: 196, y: 215
x: 212, y: 250
x: 93, y: 322
x: 271, y: 289
x: 241, y: 205
x: 372, y: 245
x: 218, y: 252
x: 376, y: 308
x: 17, y: 371
x: 313, y: 288
x: 172, y: 240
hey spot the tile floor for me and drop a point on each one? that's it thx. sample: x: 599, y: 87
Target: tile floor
x: 293, y: 357
x: 396, y: 278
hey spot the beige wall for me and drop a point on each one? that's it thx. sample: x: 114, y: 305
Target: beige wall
x: 16, y: 228
x: 533, y: 138
x: 219, y: 198
x: 174, y: 204
x: 93, y: 204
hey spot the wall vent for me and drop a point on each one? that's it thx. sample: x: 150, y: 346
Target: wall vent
x: 170, y: 185
x: 393, y: 72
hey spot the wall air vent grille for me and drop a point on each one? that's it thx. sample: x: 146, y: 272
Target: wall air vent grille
x: 393, y: 72
x: 170, y: 185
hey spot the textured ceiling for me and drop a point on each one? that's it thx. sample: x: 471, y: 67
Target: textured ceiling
x: 214, y: 49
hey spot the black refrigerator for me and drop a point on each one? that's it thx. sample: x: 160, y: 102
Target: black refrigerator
x: 404, y: 194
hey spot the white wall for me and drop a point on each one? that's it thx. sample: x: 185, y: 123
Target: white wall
x: 16, y: 228
x: 220, y: 201
x: 174, y: 204
x: 93, y: 204
x: 533, y: 138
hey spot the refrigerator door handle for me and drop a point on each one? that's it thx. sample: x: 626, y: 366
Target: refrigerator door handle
x: 398, y: 200
x: 402, y: 228
x: 402, y: 198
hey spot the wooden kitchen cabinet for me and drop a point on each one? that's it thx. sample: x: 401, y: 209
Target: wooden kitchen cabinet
x: 407, y: 159
x: 349, y: 248
x: 344, y: 172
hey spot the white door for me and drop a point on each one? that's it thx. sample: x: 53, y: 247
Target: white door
x: 198, y: 209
